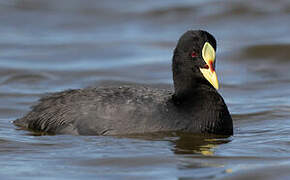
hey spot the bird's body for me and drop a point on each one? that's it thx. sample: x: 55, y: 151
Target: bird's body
x: 122, y: 110
x: 194, y: 106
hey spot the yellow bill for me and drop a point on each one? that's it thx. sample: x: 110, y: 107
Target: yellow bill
x: 208, y: 54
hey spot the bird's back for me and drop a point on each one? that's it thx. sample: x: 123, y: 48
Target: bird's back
x: 101, y: 111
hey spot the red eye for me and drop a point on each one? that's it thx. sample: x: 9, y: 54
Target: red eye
x: 193, y: 54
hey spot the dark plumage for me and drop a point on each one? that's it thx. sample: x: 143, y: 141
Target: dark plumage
x: 195, y: 106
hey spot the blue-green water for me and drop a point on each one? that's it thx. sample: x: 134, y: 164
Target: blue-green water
x: 49, y: 46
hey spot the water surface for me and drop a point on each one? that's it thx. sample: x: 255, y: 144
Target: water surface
x: 49, y: 46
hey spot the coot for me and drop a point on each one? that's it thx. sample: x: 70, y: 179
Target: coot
x: 194, y: 106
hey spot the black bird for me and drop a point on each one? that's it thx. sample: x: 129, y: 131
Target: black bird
x: 195, y: 106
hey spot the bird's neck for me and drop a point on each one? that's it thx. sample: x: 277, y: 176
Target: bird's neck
x: 188, y: 89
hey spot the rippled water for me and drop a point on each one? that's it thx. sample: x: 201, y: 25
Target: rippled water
x: 48, y: 46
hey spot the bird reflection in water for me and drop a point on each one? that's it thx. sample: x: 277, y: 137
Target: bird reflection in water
x: 186, y: 143
x: 198, y: 144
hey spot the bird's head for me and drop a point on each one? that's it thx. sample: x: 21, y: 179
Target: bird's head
x: 194, y: 61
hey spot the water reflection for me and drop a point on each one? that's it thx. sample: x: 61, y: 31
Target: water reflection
x: 198, y: 144
x: 186, y: 143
